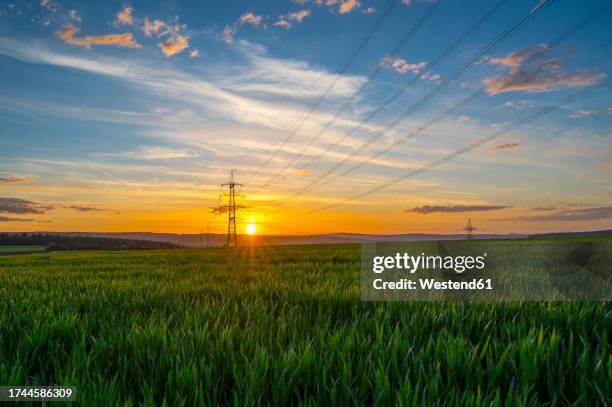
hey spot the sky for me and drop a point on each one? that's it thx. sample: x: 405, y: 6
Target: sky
x: 336, y: 115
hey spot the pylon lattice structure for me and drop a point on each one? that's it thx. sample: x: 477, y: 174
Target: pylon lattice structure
x: 470, y: 229
x: 232, y: 239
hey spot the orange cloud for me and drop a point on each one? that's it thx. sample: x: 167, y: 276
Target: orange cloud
x: 250, y: 18
x: 530, y: 69
x: 11, y: 180
x: 121, y: 40
x: 506, y: 147
x: 194, y: 53
x: 124, y: 16
x: 174, y: 45
x: 284, y: 20
x: 348, y: 5
x: 152, y: 27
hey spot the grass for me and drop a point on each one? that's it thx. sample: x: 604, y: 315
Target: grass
x: 21, y: 249
x: 282, y: 325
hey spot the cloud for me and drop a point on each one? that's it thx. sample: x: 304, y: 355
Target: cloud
x: 285, y: 20
x: 250, y: 18
x: 22, y: 206
x: 506, y: 147
x: 84, y: 208
x: 174, y: 45
x: 428, y: 76
x: 428, y: 209
x: 520, y: 104
x: 262, y: 92
x: 532, y: 70
x: 228, y: 33
x: 74, y: 15
x: 124, y: 16
x: 7, y: 219
x: 369, y: 10
x: 567, y: 215
x: 151, y: 28
x: 122, y: 40
x: 348, y: 5
x: 463, y: 118
x: 194, y: 53
x: 10, y: 180
x: 591, y: 113
x: 402, y: 66
x: 219, y: 210
x: 153, y: 153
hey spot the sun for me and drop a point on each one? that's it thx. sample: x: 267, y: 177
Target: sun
x: 251, y: 229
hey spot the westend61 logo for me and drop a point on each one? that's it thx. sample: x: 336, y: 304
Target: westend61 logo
x: 412, y: 264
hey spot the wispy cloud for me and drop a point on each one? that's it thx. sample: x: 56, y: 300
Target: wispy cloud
x: 591, y: 113
x: 9, y: 219
x: 175, y: 44
x: 567, y: 215
x: 402, y: 66
x: 153, y: 153
x: 520, y: 104
x: 84, y: 208
x: 369, y: 10
x: 250, y: 18
x: 348, y: 5
x: 11, y: 180
x: 228, y: 33
x: 122, y: 40
x: 194, y: 53
x: 533, y: 70
x: 74, y: 15
x: 286, y: 19
x: 428, y: 209
x: 463, y: 118
x: 151, y: 28
x: 506, y: 148
x: 22, y: 206
x: 124, y: 16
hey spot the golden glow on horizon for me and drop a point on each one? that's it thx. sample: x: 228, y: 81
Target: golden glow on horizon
x: 251, y: 229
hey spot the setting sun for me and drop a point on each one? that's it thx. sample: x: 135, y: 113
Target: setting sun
x: 251, y: 229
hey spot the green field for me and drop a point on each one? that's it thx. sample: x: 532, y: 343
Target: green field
x: 280, y: 326
x: 21, y: 249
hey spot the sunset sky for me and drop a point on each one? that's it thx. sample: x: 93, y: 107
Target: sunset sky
x: 127, y: 116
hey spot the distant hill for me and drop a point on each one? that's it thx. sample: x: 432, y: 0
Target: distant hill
x: 594, y: 233
x: 213, y: 240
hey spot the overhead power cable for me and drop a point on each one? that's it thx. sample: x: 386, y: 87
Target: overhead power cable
x: 349, y: 102
x: 514, y: 27
x: 473, y: 145
x: 401, y: 91
x: 561, y: 38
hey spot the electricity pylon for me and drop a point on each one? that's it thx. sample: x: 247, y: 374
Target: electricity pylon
x: 231, y: 211
x: 470, y: 229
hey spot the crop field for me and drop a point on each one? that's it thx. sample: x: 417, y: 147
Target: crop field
x: 282, y: 325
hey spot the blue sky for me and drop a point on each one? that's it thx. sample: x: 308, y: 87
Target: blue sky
x: 128, y: 115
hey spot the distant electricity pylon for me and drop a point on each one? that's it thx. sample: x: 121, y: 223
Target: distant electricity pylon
x: 470, y: 229
x: 231, y: 211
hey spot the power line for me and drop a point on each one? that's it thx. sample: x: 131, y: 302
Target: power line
x: 416, y: 27
x: 562, y: 37
x: 401, y: 91
x: 473, y: 145
x: 509, y: 31
x: 504, y: 35
x: 322, y: 96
